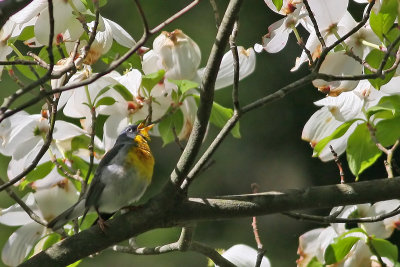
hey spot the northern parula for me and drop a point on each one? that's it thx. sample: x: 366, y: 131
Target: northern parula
x: 121, y: 178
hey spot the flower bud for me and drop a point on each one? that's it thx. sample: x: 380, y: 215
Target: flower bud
x: 178, y: 54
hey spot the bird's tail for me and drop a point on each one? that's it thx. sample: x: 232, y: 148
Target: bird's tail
x: 74, y: 212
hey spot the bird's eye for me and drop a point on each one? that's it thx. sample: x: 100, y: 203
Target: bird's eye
x: 130, y: 130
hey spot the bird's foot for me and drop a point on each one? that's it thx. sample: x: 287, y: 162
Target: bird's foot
x: 102, y: 224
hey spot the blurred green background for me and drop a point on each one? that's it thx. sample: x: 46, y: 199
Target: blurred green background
x: 270, y: 152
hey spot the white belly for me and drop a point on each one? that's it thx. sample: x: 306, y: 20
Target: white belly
x: 124, y: 189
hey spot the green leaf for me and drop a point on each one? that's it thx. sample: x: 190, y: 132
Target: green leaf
x: 39, y: 172
x: 374, y: 59
x: 384, y: 248
x: 105, y: 101
x: 90, y: 5
x: 102, y: 92
x: 89, y: 220
x: 354, y: 230
x: 389, y: 6
x: 339, y: 132
x: 184, y: 85
x: 27, y: 33
x: 361, y: 150
x: 75, y: 264
x: 165, y: 127
x: 51, y: 239
x: 150, y: 80
x: 388, y: 131
x: 220, y: 115
x: 381, y: 23
x: 391, y: 36
x: 314, y: 262
x: 123, y: 91
x: 337, y: 251
x: 387, y: 103
x: 116, y: 51
x: 278, y: 4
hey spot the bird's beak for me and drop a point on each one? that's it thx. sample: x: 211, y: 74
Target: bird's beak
x: 144, y: 131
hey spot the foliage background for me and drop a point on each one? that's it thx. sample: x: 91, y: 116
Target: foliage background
x: 270, y: 152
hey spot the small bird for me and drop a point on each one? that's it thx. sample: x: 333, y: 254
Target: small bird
x: 121, y: 178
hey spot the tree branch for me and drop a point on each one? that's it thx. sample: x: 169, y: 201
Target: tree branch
x: 158, y: 214
x: 206, y: 95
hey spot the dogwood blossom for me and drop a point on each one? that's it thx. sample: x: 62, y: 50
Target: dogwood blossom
x: 46, y: 203
x: 243, y: 256
x: 334, y: 112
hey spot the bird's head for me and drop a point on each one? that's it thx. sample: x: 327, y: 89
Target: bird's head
x: 137, y: 133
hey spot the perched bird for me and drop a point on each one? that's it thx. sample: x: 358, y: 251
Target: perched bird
x: 121, y: 178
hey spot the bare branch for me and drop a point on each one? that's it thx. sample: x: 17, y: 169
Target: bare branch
x: 315, y: 24
x: 158, y: 214
x: 206, y: 96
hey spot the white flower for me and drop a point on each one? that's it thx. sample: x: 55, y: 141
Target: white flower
x: 74, y: 99
x: 47, y: 203
x: 26, y: 137
x: 178, y: 54
x: 335, y: 111
x: 107, y: 32
x: 244, y: 256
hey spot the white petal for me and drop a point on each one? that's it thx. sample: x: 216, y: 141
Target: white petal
x: 359, y: 255
x: 276, y: 38
x: 340, y: 228
x: 21, y: 242
x: 54, y: 200
x: 30, y: 11
x: 65, y: 130
x: 339, y: 144
x: 150, y: 62
x: 131, y: 80
x: 385, y: 228
x: 112, y: 128
x: 62, y: 14
x: 338, y: 64
x: 179, y: 55
x: 328, y: 13
x: 48, y: 181
x: 247, y: 64
x: 321, y: 124
x: 308, y: 246
x: 243, y: 256
x: 345, y: 107
x: 15, y: 215
x: 392, y: 87
x: 119, y: 34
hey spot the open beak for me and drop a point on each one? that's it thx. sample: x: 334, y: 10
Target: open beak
x: 144, y: 131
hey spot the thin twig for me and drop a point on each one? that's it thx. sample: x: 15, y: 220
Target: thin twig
x: 176, y: 138
x: 315, y: 24
x: 334, y: 219
x: 260, y: 247
x: 216, y: 13
x: 92, y: 134
x: 236, y: 66
x: 23, y: 205
x: 338, y: 163
x: 3, y: 110
x: 42, y: 151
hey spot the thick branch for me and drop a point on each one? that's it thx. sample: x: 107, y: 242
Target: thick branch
x: 207, y: 93
x: 158, y: 214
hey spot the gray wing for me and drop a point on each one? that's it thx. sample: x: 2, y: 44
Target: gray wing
x: 96, y: 186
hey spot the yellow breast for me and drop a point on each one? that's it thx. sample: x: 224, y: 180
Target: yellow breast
x: 140, y: 158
